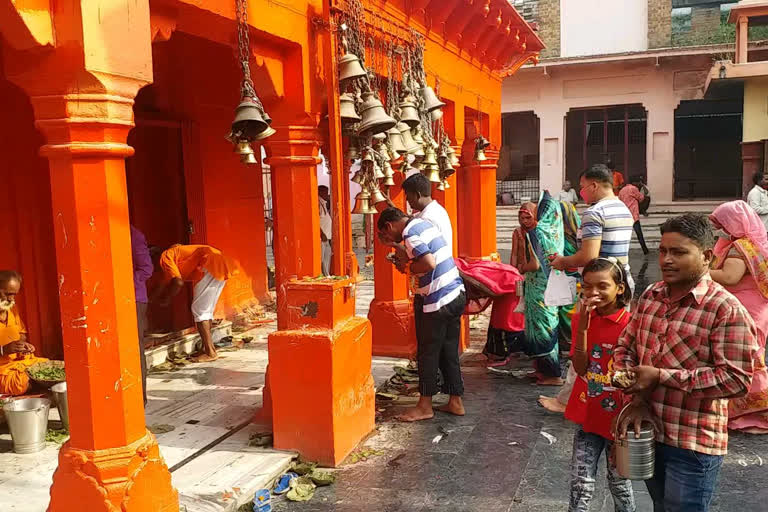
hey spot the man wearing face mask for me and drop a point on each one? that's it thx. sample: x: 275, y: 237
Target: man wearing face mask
x: 16, y: 355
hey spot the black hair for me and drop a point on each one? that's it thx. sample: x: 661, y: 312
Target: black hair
x: 636, y: 179
x: 322, y: 186
x: 618, y: 273
x: 391, y: 214
x: 695, y: 226
x: 9, y: 275
x: 599, y: 173
x: 419, y: 184
x: 757, y: 177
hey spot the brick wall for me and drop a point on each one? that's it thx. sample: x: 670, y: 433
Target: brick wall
x: 528, y: 9
x: 659, y: 23
x: 705, y: 19
x: 548, y: 17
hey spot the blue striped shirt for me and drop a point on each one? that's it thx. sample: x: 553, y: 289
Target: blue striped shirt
x: 610, y: 222
x: 442, y: 285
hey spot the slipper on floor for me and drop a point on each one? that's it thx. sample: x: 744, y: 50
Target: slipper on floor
x: 284, y: 483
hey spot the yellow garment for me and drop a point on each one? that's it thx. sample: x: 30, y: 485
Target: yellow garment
x: 13, y: 367
x: 187, y: 263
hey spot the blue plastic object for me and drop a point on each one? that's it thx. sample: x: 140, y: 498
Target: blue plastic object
x: 262, y: 501
x: 283, y: 484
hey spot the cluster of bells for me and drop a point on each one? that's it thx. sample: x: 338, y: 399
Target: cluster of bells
x: 364, y: 116
x: 251, y: 124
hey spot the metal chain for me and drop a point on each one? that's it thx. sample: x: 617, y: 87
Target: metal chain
x: 244, y: 49
x: 390, y: 78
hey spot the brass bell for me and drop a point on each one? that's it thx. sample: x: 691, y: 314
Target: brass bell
x: 367, y: 154
x: 432, y: 174
x: 480, y: 155
x: 350, y: 67
x: 429, y: 157
x: 388, y: 181
x: 362, y: 204
x: 430, y: 99
x: 243, y: 147
x: 375, y: 118
x: 482, y: 143
x: 250, y: 119
x: 347, y: 110
x: 417, y: 138
x: 377, y: 172
x: 445, y: 184
x: 376, y: 196
x: 249, y: 158
x: 409, y: 113
x: 380, y: 137
x: 448, y: 171
x: 419, y: 153
x: 452, y: 157
x: 407, y: 136
x: 358, y: 178
x: 441, y: 185
x: 266, y: 133
x: 396, y: 141
x: 436, y: 115
x: 352, y: 153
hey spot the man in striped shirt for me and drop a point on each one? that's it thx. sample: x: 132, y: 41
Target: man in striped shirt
x: 606, y: 226
x: 442, y: 303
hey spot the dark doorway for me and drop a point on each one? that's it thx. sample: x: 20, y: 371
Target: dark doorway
x: 157, y: 202
x: 598, y: 135
x: 708, y: 149
x: 517, y: 174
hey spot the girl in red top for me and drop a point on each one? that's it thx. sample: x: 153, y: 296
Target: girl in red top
x: 594, y: 402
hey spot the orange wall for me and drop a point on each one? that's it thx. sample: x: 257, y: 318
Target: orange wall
x: 27, y: 222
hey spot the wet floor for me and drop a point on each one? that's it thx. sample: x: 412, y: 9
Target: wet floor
x: 506, y: 455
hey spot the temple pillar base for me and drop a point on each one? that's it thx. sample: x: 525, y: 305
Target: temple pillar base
x: 394, y: 330
x: 132, y: 478
x: 320, y: 373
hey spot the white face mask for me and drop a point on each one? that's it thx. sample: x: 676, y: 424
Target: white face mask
x: 6, y: 305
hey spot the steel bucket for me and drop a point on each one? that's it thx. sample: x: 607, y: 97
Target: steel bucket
x: 28, y: 422
x: 635, y: 457
x: 60, y: 398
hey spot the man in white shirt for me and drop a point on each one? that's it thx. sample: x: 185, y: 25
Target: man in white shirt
x: 418, y: 193
x: 568, y: 193
x: 324, y: 206
x: 758, y: 197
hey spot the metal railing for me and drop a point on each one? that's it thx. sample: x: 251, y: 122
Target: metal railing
x: 511, y: 192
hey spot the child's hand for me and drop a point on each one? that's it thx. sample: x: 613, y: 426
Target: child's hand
x: 586, y: 306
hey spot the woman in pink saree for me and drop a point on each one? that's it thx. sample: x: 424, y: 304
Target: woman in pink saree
x: 741, y: 265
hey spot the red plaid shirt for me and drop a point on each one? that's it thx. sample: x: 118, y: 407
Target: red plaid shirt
x: 704, y: 344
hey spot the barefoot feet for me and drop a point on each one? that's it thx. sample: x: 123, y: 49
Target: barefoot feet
x: 551, y: 404
x: 454, y: 406
x: 421, y: 411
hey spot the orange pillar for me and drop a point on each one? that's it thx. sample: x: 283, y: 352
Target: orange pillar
x: 477, y: 205
x: 111, y: 461
x: 391, y: 311
x: 292, y: 155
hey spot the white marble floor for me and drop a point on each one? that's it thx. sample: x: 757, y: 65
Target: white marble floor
x: 209, y: 407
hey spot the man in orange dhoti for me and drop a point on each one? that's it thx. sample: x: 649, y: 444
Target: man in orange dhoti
x: 209, y: 270
x: 16, y: 355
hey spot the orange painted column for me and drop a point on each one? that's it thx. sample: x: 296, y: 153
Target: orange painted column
x: 292, y: 154
x: 477, y: 205
x: 320, y: 372
x: 391, y: 311
x: 111, y: 461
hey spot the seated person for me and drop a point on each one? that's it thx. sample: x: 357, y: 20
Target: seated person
x: 16, y: 355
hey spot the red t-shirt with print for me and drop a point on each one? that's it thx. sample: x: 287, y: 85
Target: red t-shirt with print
x: 594, y: 402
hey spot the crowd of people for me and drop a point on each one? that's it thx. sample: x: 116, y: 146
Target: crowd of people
x: 690, y: 349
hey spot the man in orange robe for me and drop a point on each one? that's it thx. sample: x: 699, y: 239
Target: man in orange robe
x: 16, y: 355
x: 209, y: 270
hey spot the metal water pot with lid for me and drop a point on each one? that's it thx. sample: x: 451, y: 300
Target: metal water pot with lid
x: 635, y: 457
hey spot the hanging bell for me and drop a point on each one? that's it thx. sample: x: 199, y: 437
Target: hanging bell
x: 358, y: 178
x: 250, y: 119
x: 388, y: 174
x: 377, y: 172
x: 362, y: 204
x: 409, y: 113
x: 347, y: 110
x: 249, y: 158
x: 396, y: 141
x: 452, y: 157
x: 441, y: 185
x: 446, y: 186
x: 405, y: 133
x: 380, y: 137
x: 430, y: 99
x: 376, y: 196
x: 432, y: 174
x: 429, y: 157
x: 419, y: 153
x: 448, y: 171
x: 388, y: 181
x: 482, y: 143
x: 436, y: 115
x: 375, y: 118
x: 243, y: 147
x: 480, y: 155
x: 352, y: 153
x: 266, y: 133
x: 417, y: 138
x: 350, y: 67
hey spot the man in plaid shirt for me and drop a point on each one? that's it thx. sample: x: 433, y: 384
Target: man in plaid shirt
x: 691, y: 345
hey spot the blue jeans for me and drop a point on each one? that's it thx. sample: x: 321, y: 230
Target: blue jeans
x: 587, y: 449
x: 684, y: 480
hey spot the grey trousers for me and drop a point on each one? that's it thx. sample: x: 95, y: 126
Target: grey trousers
x: 326, y: 257
x: 141, y: 320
